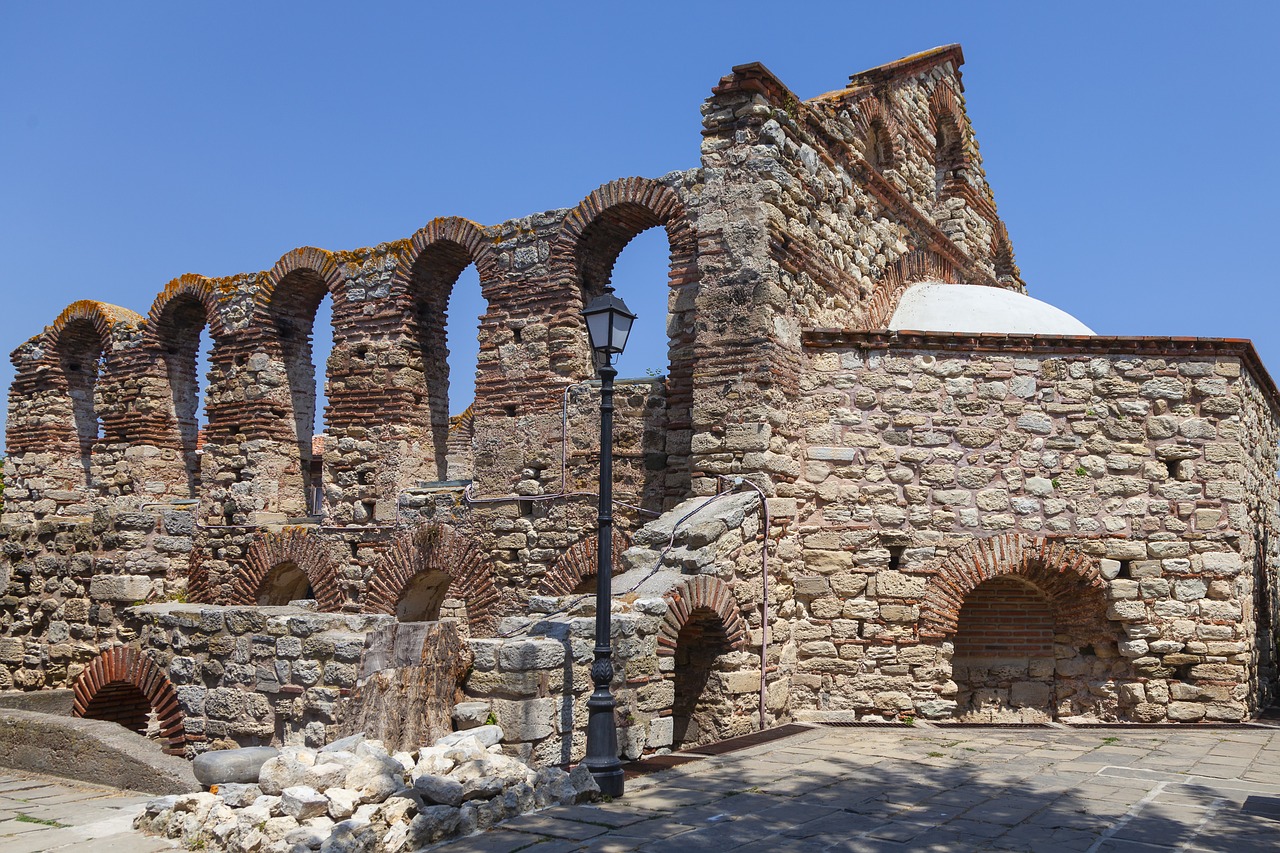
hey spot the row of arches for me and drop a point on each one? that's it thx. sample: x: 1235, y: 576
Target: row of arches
x: 110, y: 376
x: 879, y: 139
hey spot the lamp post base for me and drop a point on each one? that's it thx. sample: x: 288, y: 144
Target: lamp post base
x: 609, y: 779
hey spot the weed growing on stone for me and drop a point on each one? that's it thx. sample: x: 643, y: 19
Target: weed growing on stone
x: 26, y: 818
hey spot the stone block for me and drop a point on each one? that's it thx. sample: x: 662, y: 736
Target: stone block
x: 531, y: 654
x: 1030, y: 694
x: 131, y: 588
x: 525, y: 719
x: 1185, y: 712
x: 241, y: 766
x: 1222, y: 563
x: 661, y: 732
x: 898, y: 585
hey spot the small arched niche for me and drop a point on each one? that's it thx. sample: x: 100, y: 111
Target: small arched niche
x: 424, y: 597
x: 284, y: 583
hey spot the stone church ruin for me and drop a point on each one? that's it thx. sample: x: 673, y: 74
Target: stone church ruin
x: 877, y: 482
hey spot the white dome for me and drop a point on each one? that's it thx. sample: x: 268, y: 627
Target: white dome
x: 934, y: 307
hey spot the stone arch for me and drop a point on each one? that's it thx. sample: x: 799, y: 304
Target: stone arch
x: 437, y: 548
x: 184, y: 309
x: 580, y: 562
x: 950, y: 154
x: 1069, y: 578
x: 79, y: 357
x: 313, y: 557
x: 702, y: 625
x: 125, y: 685
x: 911, y: 268
x: 878, y: 131
x: 289, y: 297
x: 706, y: 594
x: 307, y: 260
x: 592, y: 235
x: 425, y: 280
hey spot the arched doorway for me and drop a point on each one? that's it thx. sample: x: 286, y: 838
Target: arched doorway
x: 697, y: 714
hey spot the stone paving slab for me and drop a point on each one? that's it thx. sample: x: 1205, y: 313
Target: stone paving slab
x: 43, y: 814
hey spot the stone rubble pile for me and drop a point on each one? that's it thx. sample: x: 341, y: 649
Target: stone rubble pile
x: 353, y: 796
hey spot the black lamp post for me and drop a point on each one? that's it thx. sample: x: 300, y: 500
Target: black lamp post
x: 608, y: 324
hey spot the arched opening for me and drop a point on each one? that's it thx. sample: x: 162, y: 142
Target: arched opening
x: 627, y: 249
x: 586, y: 586
x: 284, y: 583
x: 185, y: 349
x: 122, y: 702
x: 696, y: 717
x: 124, y: 685
x: 423, y: 597
x: 1004, y: 659
x: 948, y: 157
x: 639, y: 276
x: 444, y: 284
x: 80, y: 356
x: 300, y: 304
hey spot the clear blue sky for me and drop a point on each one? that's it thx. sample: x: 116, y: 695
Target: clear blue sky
x: 1128, y: 144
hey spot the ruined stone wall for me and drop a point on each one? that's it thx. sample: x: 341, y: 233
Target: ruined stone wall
x: 66, y: 581
x: 254, y: 675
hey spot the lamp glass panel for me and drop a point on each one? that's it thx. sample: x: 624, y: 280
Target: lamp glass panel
x: 621, y: 329
x: 598, y: 329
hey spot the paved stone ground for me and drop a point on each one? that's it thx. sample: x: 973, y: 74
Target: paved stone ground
x: 927, y: 789
x: 40, y: 813
x: 847, y: 789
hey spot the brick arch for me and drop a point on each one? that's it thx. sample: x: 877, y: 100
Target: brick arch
x: 179, y: 315
x: 188, y: 286
x: 425, y: 279
x: 912, y: 268
x: 701, y: 594
x: 595, y: 232
x: 951, y: 151
x: 467, y: 235
x: 869, y: 115
x: 101, y: 315
x: 579, y: 562
x: 591, y: 237
x: 123, y: 685
x: 437, y: 548
x: 1068, y: 577
x: 312, y: 555
x: 305, y: 260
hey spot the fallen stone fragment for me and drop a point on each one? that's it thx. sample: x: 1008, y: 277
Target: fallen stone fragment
x: 302, y: 802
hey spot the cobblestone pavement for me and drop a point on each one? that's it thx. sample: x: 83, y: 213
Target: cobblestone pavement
x: 944, y: 789
x: 846, y: 789
x: 41, y: 813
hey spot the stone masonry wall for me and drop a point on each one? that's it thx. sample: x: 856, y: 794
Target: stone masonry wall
x: 1122, y: 461
x: 65, y: 582
x: 254, y: 675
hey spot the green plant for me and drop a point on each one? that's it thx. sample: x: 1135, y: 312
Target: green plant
x: 936, y: 754
x: 1082, y: 471
x: 26, y: 818
x: 908, y: 719
x: 1055, y: 482
x: 491, y: 720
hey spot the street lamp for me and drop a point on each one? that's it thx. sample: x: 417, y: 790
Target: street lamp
x: 608, y: 324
